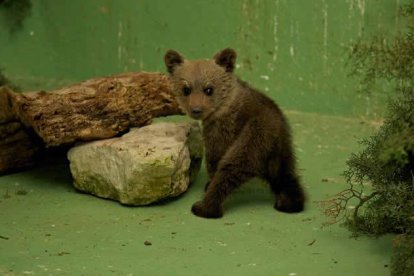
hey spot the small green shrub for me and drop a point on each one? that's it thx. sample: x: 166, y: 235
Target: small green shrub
x: 380, y: 197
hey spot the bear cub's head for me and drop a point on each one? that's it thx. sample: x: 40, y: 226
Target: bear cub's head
x: 203, y: 87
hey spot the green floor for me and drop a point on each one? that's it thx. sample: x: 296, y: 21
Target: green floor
x: 55, y: 230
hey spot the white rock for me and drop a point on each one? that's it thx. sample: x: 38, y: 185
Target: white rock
x: 143, y: 166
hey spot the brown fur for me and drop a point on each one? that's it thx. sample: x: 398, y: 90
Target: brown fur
x: 245, y: 133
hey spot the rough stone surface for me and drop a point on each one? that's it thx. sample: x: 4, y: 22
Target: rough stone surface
x: 145, y: 165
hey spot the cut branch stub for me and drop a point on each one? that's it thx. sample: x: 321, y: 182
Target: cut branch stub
x: 96, y: 109
x: 17, y: 148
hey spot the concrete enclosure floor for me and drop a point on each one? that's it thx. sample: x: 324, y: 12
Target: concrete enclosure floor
x: 48, y: 228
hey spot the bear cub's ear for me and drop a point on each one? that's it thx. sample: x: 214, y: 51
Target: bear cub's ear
x: 226, y: 58
x: 172, y: 59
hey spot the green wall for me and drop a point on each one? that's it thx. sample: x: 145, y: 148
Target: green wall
x: 294, y: 50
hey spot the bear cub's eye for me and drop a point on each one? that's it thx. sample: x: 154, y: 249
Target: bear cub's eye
x: 186, y: 90
x: 208, y: 91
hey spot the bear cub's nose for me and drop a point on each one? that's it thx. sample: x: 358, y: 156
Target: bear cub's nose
x: 196, y: 111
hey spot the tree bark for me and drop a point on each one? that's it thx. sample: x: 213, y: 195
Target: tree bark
x: 96, y: 109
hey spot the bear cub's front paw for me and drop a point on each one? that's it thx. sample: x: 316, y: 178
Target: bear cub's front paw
x: 200, y: 209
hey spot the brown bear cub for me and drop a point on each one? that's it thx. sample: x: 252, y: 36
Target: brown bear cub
x: 245, y: 133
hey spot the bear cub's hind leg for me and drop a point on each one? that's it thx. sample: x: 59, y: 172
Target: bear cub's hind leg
x: 290, y: 197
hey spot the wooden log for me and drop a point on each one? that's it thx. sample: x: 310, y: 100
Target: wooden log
x: 17, y: 147
x: 96, y: 109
